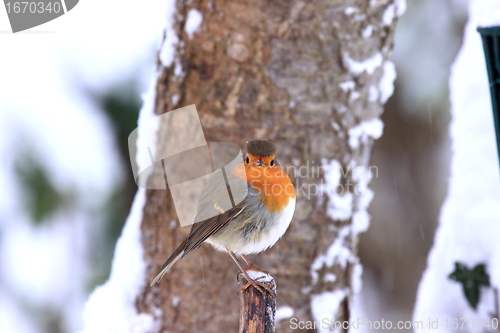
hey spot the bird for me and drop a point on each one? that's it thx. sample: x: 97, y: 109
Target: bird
x: 251, y: 226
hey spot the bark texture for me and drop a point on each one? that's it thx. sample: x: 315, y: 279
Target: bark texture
x: 267, y: 70
x: 258, y: 309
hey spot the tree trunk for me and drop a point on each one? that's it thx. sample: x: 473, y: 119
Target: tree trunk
x: 311, y: 77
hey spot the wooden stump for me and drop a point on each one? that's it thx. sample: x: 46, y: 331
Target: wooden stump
x: 258, y: 309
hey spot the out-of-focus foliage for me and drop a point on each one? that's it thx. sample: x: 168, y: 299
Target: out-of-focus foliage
x: 41, y: 196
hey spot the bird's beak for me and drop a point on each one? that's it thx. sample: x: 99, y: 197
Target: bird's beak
x: 258, y: 163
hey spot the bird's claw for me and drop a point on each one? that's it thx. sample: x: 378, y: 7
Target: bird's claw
x: 256, y: 284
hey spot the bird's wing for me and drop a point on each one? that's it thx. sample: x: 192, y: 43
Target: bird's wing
x: 199, y: 233
x: 203, y: 230
x: 214, y: 210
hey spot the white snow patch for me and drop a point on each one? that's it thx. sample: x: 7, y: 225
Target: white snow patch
x: 368, y: 65
x: 386, y: 84
x: 329, y: 277
x: 468, y: 227
x: 283, y: 312
x: 175, y: 99
x: 111, y: 307
x: 306, y: 290
x: 356, y: 281
x: 261, y: 277
x: 12, y: 318
x: 178, y: 68
x: 373, y: 94
x: 354, y: 96
x: 193, y: 22
x: 324, y: 306
x: 351, y: 10
x: 340, y: 201
x: 400, y: 7
x: 368, y: 31
x: 369, y: 129
x: 490, y: 19
x: 335, y: 126
x: 389, y: 15
x: 336, y: 253
x: 360, y: 221
x: 347, y: 85
x: 147, y: 129
x: 167, y: 51
x: 175, y: 301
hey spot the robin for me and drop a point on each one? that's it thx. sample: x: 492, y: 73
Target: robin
x: 254, y: 224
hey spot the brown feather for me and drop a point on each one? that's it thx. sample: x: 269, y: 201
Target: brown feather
x: 199, y: 233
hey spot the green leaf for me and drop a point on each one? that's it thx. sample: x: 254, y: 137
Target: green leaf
x: 471, y: 281
x: 461, y: 273
x: 480, y: 275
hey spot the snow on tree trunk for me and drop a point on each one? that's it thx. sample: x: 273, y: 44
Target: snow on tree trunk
x: 469, y: 226
x: 310, y: 76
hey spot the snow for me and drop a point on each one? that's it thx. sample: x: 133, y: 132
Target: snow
x: 392, y: 11
x: 12, y: 317
x: 368, y: 65
x: 368, y: 31
x: 46, y: 111
x: 193, y: 22
x: 361, y: 220
x: 354, y: 96
x: 373, y: 94
x: 351, y: 10
x: 176, y: 300
x: 260, y: 276
x: 329, y: 277
x: 178, y: 71
x: 175, y: 99
x: 336, y: 253
x: 340, y: 200
x: 326, y: 305
x: 389, y: 15
x: 490, y: 19
x: 147, y: 127
x: 283, y: 312
x: 357, y: 271
x: 386, y: 84
x: 111, y: 307
x: 167, y: 50
x: 369, y: 129
x: 468, y: 227
x: 347, y: 86
x: 400, y: 7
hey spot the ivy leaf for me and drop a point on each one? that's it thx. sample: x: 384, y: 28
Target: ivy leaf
x: 480, y: 275
x: 471, y: 280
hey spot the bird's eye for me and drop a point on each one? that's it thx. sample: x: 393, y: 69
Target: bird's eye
x: 247, y: 160
x: 272, y: 163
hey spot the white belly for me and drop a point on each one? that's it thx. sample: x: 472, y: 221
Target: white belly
x: 266, y: 239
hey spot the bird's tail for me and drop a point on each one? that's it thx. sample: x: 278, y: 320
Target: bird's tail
x: 176, y: 256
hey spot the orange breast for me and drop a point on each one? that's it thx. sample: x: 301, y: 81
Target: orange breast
x: 272, y: 183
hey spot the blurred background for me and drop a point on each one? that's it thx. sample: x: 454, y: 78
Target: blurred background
x: 70, y: 96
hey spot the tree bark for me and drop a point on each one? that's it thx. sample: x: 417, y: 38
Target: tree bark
x: 258, y: 309
x: 269, y: 70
